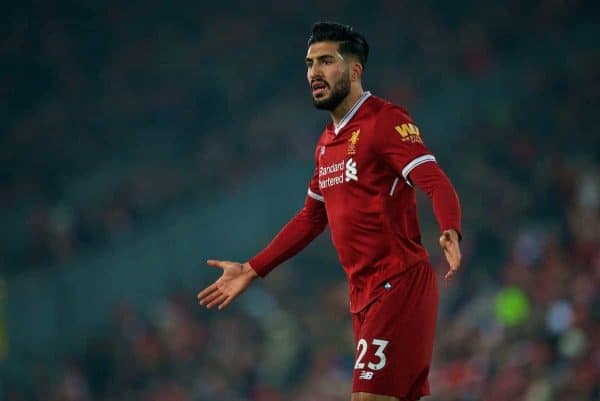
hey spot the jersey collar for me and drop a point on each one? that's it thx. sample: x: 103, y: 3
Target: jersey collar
x: 346, y: 119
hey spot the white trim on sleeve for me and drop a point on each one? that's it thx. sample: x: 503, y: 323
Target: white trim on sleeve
x: 315, y: 195
x: 416, y: 162
x: 394, y: 186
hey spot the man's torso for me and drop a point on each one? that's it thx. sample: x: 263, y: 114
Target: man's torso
x: 371, y: 209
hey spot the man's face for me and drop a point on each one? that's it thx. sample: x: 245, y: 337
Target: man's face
x: 328, y: 75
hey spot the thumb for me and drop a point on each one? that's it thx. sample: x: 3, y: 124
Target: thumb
x: 216, y: 263
x: 444, y: 239
x: 449, y: 237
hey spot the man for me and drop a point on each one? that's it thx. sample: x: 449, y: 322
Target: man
x: 368, y: 161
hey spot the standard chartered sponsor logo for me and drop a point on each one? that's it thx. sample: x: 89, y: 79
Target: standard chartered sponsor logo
x: 343, y: 172
x: 332, y: 168
x: 331, y: 181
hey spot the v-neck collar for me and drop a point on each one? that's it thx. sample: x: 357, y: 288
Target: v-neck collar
x: 346, y: 119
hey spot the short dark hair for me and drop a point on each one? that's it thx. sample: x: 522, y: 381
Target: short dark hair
x: 351, y: 42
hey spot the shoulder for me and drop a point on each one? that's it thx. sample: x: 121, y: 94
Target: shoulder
x: 394, y: 128
x: 389, y: 118
x: 386, y: 112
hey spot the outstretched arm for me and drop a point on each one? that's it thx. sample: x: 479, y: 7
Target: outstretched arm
x: 430, y: 178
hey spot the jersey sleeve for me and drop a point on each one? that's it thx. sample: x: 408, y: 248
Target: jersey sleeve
x: 399, y: 141
x: 430, y: 178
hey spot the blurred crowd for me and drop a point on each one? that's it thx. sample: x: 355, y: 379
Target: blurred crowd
x: 114, y: 114
x: 102, y: 135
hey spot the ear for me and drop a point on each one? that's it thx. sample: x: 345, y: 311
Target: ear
x: 356, y: 71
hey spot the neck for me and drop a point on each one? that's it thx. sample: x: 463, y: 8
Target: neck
x: 339, y: 112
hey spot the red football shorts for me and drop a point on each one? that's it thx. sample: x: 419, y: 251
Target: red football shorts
x: 394, y: 336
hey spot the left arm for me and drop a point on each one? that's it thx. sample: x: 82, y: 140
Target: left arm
x: 400, y: 143
x: 430, y: 178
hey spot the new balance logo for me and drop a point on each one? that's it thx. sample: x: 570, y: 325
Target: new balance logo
x: 365, y: 375
x: 351, y: 170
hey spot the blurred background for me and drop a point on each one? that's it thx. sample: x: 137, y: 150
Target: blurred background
x: 139, y: 139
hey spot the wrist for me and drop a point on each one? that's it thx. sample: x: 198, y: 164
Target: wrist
x: 248, y: 270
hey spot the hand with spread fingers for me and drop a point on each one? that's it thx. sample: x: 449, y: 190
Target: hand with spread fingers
x: 449, y: 242
x: 235, y: 279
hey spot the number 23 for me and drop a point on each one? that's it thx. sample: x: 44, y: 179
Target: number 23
x: 362, y: 350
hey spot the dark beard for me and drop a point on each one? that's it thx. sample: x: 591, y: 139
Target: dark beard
x: 339, y: 92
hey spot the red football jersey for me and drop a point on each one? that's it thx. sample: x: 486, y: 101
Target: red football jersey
x: 361, y: 175
x: 362, y: 189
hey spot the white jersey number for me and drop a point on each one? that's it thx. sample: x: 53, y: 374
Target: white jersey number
x: 362, y: 350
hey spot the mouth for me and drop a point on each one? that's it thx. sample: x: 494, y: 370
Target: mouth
x: 318, y: 88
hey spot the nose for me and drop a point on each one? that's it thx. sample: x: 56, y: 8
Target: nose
x: 314, y: 72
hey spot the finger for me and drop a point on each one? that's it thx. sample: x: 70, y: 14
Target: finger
x: 454, y: 262
x: 455, y: 252
x: 453, y: 257
x: 217, y: 301
x: 451, y: 271
x: 210, y: 297
x: 216, y: 263
x: 449, y: 274
x: 226, y: 303
x: 214, y: 286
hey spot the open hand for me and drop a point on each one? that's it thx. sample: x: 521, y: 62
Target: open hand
x: 235, y: 279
